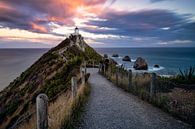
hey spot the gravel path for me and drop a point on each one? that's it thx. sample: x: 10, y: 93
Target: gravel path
x: 110, y: 107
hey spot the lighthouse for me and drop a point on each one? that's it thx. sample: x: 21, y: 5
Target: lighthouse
x: 76, y: 31
x: 77, y: 39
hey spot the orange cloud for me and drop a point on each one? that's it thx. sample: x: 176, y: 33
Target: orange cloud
x: 67, y: 9
x: 38, y: 27
x: 4, y: 6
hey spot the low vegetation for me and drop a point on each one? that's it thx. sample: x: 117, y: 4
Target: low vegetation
x: 175, y: 95
x: 186, y: 76
x: 51, y: 74
x: 64, y: 112
x: 62, y: 79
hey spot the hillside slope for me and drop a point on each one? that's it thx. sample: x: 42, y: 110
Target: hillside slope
x: 50, y: 74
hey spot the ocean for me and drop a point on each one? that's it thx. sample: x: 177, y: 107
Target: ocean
x: 14, y: 61
x: 170, y: 60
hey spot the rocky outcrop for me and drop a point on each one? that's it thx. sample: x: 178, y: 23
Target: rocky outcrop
x: 50, y: 74
x: 156, y: 66
x: 127, y: 58
x: 105, y: 56
x: 140, y: 64
x: 115, y: 55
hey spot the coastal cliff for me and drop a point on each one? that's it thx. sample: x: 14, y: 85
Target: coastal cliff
x: 51, y: 74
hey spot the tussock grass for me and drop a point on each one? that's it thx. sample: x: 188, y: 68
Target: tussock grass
x: 64, y: 112
x: 76, y: 106
x: 177, y: 101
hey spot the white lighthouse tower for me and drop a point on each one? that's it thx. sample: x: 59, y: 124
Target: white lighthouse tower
x: 76, y: 31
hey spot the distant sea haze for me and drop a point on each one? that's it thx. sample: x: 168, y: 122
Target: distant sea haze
x: 15, y: 61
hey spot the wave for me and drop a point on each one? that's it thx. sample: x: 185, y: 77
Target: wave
x: 153, y: 69
x: 167, y: 76
x: 133, y: 60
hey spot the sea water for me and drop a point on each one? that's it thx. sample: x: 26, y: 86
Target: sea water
x: 170, y: 60
x: 15, y: 61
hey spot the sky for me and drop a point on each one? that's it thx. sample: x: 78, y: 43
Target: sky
x: 102, y: 23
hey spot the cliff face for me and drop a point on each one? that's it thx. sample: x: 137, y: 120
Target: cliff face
x: 50, y: 74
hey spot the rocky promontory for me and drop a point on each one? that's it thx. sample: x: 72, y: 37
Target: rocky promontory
x: 51, y: 74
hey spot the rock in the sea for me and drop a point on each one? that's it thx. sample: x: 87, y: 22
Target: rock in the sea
x: 127, y: 58
x: 156, y: 66
x: 105, y: 56
x: 140, y: 64
x: 115, y: 55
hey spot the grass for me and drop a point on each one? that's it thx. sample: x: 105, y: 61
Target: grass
x: 50, y: 74
x: 187, y: 74
x: 176, y: 101
x: 77, y: 108
x: 62, y: 79
x: 64, y: 112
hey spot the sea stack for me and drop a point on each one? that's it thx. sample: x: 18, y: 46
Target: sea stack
x: 156, y: 66
x: 115, y: 55
x: 140, y: 64
x: 127, y: 58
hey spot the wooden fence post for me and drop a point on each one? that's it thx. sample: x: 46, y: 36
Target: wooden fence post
x: 117, y: 72
x: 99, y: 67
x: 42, y: 111
x: 81, y: 71
x: 152, y: 84
x: 74, y: 86
x: 85, y: 67
x: 130, y: 78
x: 104, y: 69
x: 83, y: 78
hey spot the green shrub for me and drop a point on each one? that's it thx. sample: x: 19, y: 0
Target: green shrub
x: 61, y: 81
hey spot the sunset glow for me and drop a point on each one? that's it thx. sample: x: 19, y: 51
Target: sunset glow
x: 100, y: 21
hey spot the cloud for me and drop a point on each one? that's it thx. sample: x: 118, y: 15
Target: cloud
x: 38, y: 28
x: 164, y: 24
x: 35, y: 15
x: 23, y: 44
x: 96, y: 20
x: 21, y: 35
x: 154, y: 1
x: 182, y: 43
